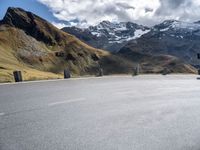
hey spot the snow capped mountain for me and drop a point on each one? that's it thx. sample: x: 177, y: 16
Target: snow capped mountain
x: 177, y: 29
x: 108, y: 35
x: 172, y: 37
x: 118, y: 32
x: 179, y: 25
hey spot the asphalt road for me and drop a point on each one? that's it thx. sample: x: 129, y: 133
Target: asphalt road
x: 110, y: 113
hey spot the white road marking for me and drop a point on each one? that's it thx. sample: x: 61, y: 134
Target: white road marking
x: 125, y: 92
x: 66, y: 102
x: 2, y: 114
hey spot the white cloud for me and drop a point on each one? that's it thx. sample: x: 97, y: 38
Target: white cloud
x: 148, y: 12
x: 59, y: 25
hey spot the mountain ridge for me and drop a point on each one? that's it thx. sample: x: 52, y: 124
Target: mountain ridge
x: 32, y: 42
x: 107, y: 35
x: 171, y: 37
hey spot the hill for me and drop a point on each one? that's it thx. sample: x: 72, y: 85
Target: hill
x: 28, y: 41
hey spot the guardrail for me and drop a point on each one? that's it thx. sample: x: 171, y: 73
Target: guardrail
x: 17, y: 76
x: 67, y: 74
x: 136, y: 70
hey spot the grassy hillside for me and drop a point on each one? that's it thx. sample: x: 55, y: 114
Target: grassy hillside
x: 10, y: 59
x: 29, y: 43
x: 37, y: 60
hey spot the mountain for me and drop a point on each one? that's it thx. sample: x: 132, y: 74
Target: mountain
x: 107, y: 35
x: 33, y: 45
x: 172, y: 37
x: 41, y: 51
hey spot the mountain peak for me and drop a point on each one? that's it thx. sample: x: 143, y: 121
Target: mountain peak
x: 109, y: 35
x: 32, y: 25
x: 178, y: 26
x: 170, y: 21
x: 197, y: 22
x: 18, y: 17
x: 167, y: 23
x: 105, y: 22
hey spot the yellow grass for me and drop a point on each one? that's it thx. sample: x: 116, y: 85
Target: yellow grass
x: 9, y: 63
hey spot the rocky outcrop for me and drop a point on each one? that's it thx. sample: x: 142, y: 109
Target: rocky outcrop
x: 33, y: 25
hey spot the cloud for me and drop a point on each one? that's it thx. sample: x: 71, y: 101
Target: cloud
x: 147, y: 12
x: 125, y: 5
x: 59, y: 25
x: 186, y: 10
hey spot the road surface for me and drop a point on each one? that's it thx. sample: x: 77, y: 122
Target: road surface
x: 111, y: 113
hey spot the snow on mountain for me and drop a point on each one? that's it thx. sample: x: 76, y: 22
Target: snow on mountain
x: 139, y: 33
x: 177, y: 25
x: 118, y: 32
x: 107, y: 35
x: 171, y: 37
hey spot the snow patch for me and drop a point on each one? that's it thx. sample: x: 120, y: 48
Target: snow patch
x: 139, y: 33
x: 163, y: 30
x: 96, y: 33
x: 185, y: 25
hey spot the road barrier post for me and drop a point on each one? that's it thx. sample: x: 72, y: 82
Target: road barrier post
x: 100, y: 72
x: 136, y: 70
x: 67, y: 74
x: 165, y: 71
x: 198, y: 57
x: 198, y: 71
x: 17, y: 76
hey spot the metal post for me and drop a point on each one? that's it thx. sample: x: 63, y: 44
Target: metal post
x: 67, y: 74
x: 17, y: 76
x: 198, y: 57
x: 100, y: 72
x: 198, y: 71
x: 165, y: 71
x: 136, y: 70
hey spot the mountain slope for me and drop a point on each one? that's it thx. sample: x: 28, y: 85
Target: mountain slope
x: 107, y: 35
x: 171, y: 37
x: 33, y: 42
x: 13, y: 44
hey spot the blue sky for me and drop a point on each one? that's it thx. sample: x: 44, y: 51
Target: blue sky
x: 91, y: 12
x: 30, y: 5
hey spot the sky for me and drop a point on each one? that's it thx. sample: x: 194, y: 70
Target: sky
x: 83, y: 13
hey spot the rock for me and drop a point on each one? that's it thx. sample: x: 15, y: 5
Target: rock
x: 33, y: 25
x: 70, y: 57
